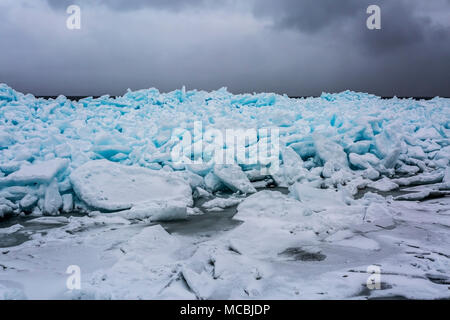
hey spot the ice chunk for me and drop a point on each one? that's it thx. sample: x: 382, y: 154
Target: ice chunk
x: 328, y: 150
x: 291, y: 170
x: 111, y: 186
x: 417, y: 196
x: 5, y: 140
x: 202, y: 284
x: 222, y: 202
x: 10, y: 230
x: 392, y: 157
x: 405, y: 169
x: 157, y: 210
x: 42, y: 172
x: 67, y: 202
x: 212, y: 182
x: 383, y: 185
x: 377, y: 212
x: 53, y: 201
x: 363, y: 161
x: 318, y: 199
x: 416, y: 152
x: 371, y: 174
x: 28, y: 202
x: 360, y: 147
x: 5, y: 210
x: 428, y: 178
x: 427, y: 133
x: 446, y: 178
x: 234, y: 178
x: 272, y: 204
x: 49, y: 220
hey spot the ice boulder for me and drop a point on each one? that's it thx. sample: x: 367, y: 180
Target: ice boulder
x: 234, y: 178
x: 271, y: 205
x: 53, y: 200
x: 291, y: 170
x: 329, y: 151
x: 41, y: 173
x: 319, y: 199
x: 111, y: 186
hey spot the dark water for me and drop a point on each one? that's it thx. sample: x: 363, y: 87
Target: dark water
x: 206, y: 224
x: 210, y: 223
x: 393, y: 193
x: 24, y: 234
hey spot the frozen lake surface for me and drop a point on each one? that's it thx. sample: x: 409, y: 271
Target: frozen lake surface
x: 204, y: 257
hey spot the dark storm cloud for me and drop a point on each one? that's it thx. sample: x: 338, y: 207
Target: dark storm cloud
x: 402, y: 22
x: 309, y: 16
x: 298, y: 47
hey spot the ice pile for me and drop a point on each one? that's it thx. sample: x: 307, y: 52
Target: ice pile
x: 114, y: 153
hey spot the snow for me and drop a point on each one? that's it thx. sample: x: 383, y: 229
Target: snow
x: 42, y: 172
x: 362, y: 181
x: 110, y: 186
x: 52, y: 201
x: 384, y: 185
x: 234, y: 178
x: 11, y: 229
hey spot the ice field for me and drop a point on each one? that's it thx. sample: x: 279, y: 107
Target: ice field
x: 362, y: 182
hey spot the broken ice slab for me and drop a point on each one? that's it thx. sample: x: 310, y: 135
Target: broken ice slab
x: 110, y: 186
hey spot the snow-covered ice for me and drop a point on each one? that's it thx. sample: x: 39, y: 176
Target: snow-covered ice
x: 362, y: 181
x: 111, y: 186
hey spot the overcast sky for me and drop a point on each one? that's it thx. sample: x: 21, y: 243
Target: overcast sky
x: 297, y: 47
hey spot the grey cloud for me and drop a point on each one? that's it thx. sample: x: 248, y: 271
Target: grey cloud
x: 126, y: 5
x: 308, y: 15
x: 403, y: 26
x: 402, y: 23
x: 312, y: 46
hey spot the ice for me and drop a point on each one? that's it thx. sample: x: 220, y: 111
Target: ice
x: 49, y: 220
x: 319, y: 199
x: 67, y: 200
x: 320, y: 137
x: 10, y: 230
x: 360, y: 243
x: 234, y: 178
x: 329, y: 151
x: 366, y: 161
x: 157, y: 210
x: 291, y: 170
x: 384, y: 185
x: 106, y: 165
x: 212, y: 182
x: 379, y: 215
x: 421, y: 179
x: 222, y: 203
x: 270, y: 204
x: 42, y: 172
x: 110, y: 186
x: 28, y: 202
x: 416, y: 152
x: 53, y: 201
